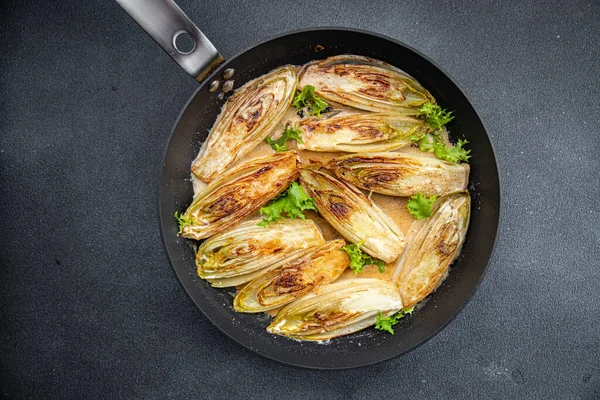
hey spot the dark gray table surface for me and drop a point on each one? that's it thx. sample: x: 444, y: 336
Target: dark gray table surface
x: 89, y: 305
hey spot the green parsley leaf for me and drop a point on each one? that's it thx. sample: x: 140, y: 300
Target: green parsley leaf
x: 290, y: 133
x: 384, y: 324
x: 358, y: 258
x: 420, y: 206
x: 387, y: 324
x: 456, y: 153
x: 318, y: 107
x: 182, y: 221
x: 307, y: 98
x: 453, y: 154
x: 291, y: 203
x: 435, y: 115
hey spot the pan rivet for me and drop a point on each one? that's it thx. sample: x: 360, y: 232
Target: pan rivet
x: 214, y: 86
x: 227, y: 86
x: 184, y: 42
x: 228, y: 73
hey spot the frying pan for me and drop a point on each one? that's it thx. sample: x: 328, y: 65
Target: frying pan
x: 165, y: 22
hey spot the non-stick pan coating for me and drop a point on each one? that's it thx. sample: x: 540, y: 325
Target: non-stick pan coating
x: 368, y: 346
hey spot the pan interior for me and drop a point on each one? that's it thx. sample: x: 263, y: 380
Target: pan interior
x: 368, y: 346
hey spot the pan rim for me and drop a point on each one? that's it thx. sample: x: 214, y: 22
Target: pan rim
x: 357, y: 364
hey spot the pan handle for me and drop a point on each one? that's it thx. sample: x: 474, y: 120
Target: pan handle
x: 164, y: 21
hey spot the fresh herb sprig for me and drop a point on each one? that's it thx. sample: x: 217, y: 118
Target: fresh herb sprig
x: 435, y: 115
x: 308, y: 98
x: 420, y: 206
x: 182, y: 221
x: 292, y: 203
x: 290, y: 133
x: 453, y: 154
x: 358, y: 258
x: 387, y: 324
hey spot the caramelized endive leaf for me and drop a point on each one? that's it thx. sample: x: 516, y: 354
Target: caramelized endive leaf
x: 242, y: 279
x: 238, y: 192
x: 366, y: 84
x: 248, y: 248
x: 245, y: 120
x: 319, y: 265
x: 433, y: 244
x: 400, y: 174
x: 337, y: 309
x: 353, y: 215
x: 363, y: 132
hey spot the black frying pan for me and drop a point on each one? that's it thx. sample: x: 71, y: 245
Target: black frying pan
x: 163, y: 20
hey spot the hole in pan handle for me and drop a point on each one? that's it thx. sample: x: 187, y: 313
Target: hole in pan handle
x: 164, y: 21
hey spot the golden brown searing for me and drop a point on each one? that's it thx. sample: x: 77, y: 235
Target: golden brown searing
x: 240, y: 254
x: 366, y: 84
x: 245, y: 120
x: 337, y: 309
x: 318, y: 266
x: 432, y: 246
x: 238, y: 192
x: 361, y: 132
x: 400, y: 174
x: 353, y: 215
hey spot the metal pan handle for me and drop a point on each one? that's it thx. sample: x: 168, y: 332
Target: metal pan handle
x: 164, y: 21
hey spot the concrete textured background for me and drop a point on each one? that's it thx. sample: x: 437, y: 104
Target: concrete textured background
x: 89, y: 305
